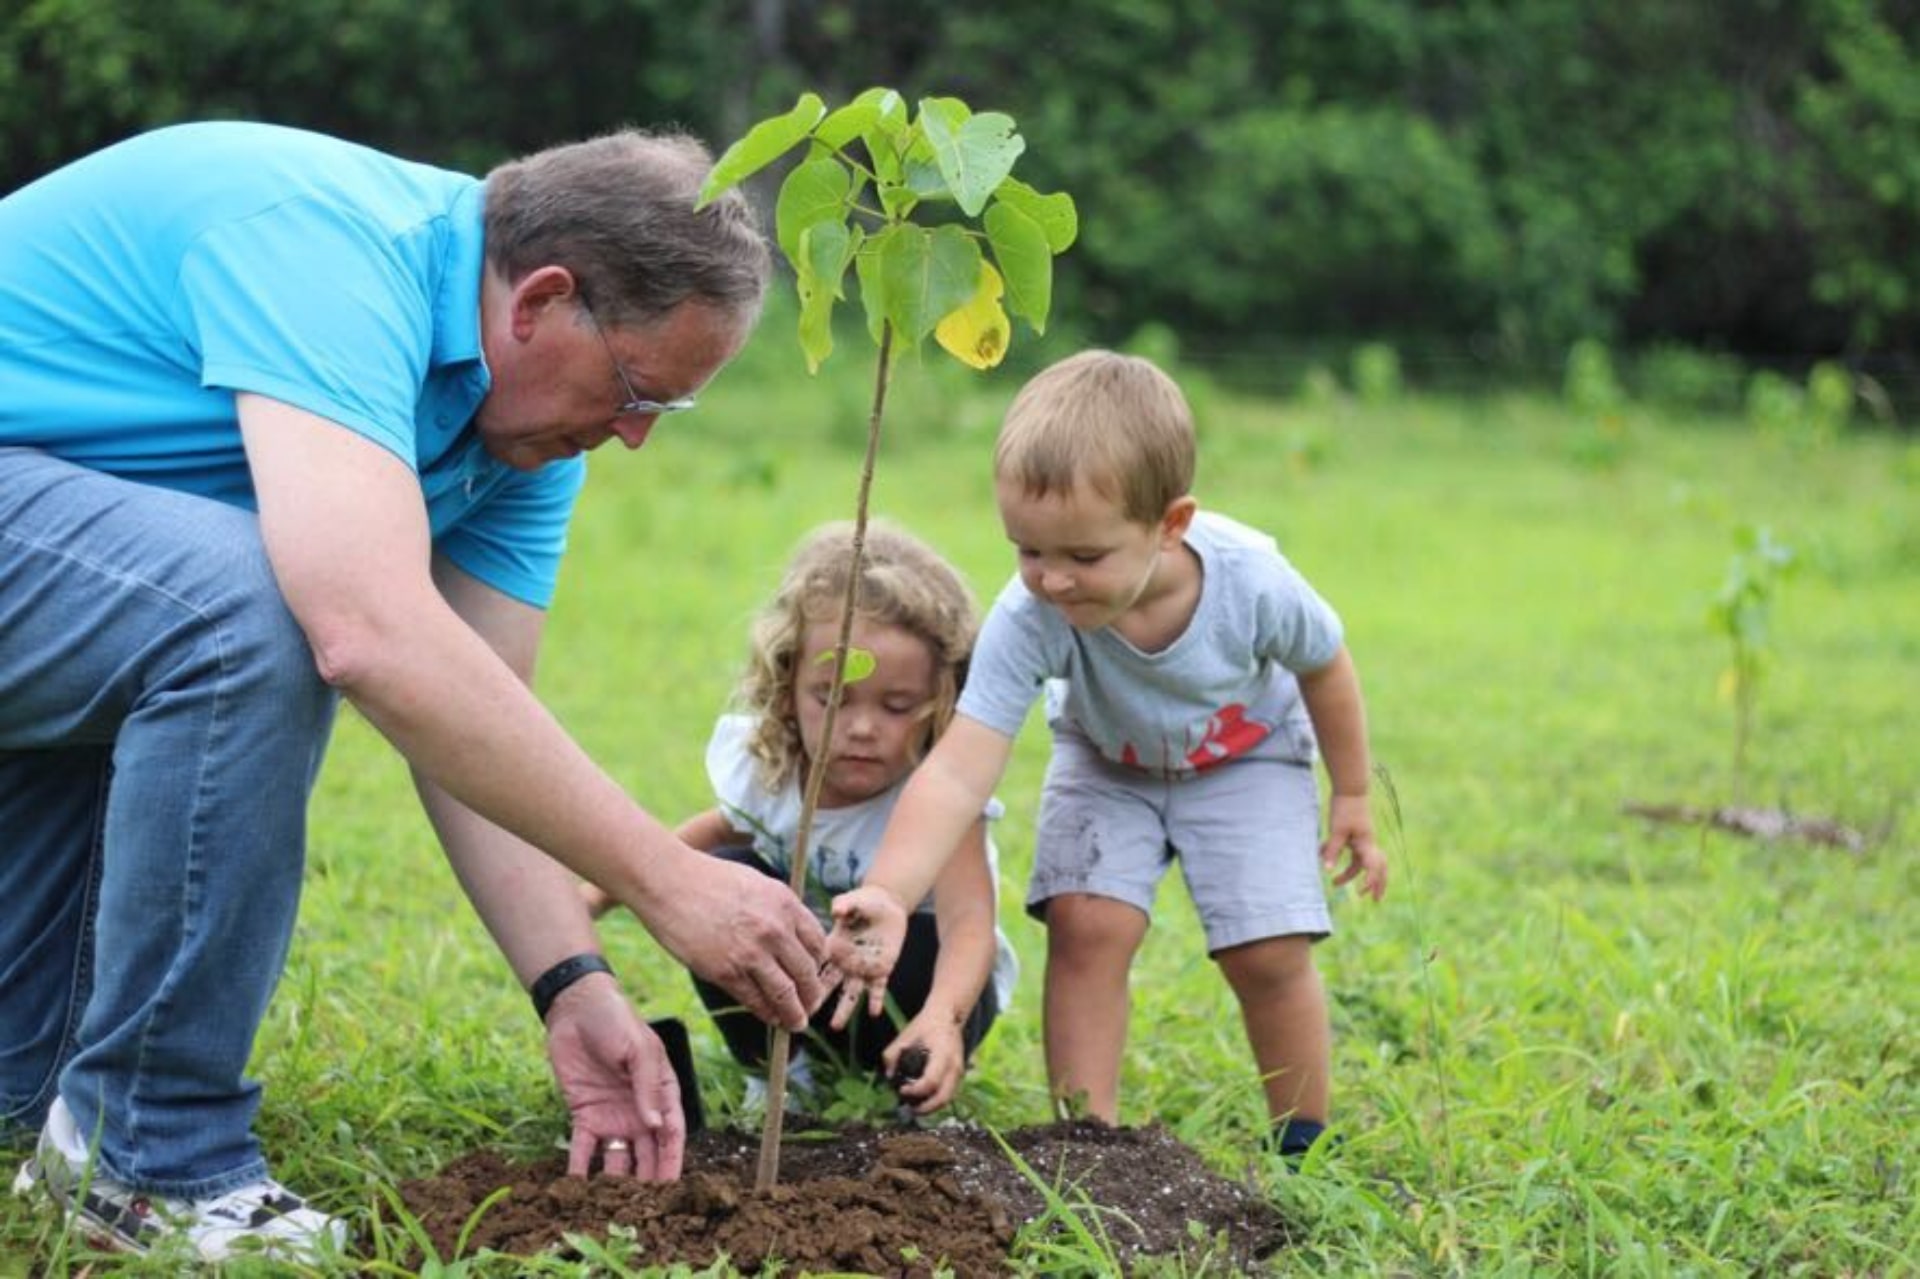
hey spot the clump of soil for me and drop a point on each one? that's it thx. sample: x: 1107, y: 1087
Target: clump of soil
x: 881, y: 1202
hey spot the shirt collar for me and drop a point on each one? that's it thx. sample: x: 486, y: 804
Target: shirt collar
x: 456, y: 308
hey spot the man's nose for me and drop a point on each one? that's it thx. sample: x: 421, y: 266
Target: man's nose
x: 634, y: 428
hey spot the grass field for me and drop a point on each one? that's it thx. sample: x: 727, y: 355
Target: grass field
x: 1568, y: 1042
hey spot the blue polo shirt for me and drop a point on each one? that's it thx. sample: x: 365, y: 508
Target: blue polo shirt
x: 144, y: 285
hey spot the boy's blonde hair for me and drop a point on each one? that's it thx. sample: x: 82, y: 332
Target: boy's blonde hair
x: 903, y: 582
x: 1113, y: 422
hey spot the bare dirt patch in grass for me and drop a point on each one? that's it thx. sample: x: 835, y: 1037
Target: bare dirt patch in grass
x: 872, y: 1201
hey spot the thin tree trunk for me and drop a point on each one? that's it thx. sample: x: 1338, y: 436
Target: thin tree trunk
x: 769, y: 1168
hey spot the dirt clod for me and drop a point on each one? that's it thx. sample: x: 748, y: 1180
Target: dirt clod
x: 910, y: 1065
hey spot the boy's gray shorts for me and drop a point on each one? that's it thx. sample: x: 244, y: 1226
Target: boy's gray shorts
x: 1247, y: 834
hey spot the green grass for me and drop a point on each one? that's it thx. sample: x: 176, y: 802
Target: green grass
x: 1568, y: 1042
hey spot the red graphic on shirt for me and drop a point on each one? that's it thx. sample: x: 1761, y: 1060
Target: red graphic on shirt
x: 1229, y: 733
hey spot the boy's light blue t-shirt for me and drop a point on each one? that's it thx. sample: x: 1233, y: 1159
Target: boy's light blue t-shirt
x: 144, y: 285
x: 1223, y: 689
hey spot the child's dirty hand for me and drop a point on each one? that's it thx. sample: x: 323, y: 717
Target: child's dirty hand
x: 1350, y: 829
x: 926, y: 1062
x: 869, y: 926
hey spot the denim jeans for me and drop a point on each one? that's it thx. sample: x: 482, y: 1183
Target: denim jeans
x: 161, y: 724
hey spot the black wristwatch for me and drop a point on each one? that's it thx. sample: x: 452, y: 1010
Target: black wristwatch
x: 547, y: 986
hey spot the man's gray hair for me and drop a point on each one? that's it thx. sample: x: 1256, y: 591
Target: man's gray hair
x: 618, y: 212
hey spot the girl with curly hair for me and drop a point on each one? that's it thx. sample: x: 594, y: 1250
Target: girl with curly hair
x: 915, y: 616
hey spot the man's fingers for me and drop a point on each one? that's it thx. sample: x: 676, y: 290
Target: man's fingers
x: 779, y: 1003
x: 656, y: 1095
x: 580, y: 1151
x: 799, y: 948
x: 670, y: 1143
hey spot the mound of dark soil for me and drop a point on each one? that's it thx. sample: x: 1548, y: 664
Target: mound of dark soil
x: 882, y: 1202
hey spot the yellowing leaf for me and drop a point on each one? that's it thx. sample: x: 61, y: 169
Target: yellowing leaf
x: 976, y: 333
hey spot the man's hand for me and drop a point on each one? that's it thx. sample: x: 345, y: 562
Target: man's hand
x: 1350, y: 828
x: 936, y: 1035
x: 743, y: 932
x: 869, y: 927
x: 619, y: 1087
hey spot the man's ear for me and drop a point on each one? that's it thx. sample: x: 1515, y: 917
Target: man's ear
x: 537, y: 292
x: 1177, y: 520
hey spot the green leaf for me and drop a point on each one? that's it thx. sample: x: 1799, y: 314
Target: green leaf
x: 861, y: 664
x: 1055, y: 213
x: 976, y: 155
x: 819, y: 268
x: 873, y: 285
x: 898, y: 201
x: 1026, y: 262
x: 923, y: 275
x: 814, y: 192
x: 925, y: 180
x: 888, y: 139
x: 858, y: 117
x: 764, y: 143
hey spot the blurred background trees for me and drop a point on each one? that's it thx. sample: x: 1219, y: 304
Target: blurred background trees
x: 1477, y: 182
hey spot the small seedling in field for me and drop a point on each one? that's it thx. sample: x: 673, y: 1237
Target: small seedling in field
x: 1595, y: 393
x: 1743, y: 613
x: 865, y: 171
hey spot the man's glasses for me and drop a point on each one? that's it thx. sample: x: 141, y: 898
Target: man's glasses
x: 636, y: 403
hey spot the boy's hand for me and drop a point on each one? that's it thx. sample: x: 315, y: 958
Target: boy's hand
x: 869, y: 927
x: 936, y: 1035
x: 1350, y: 827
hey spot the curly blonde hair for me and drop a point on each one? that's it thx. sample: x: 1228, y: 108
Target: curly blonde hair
x: 903, y: 582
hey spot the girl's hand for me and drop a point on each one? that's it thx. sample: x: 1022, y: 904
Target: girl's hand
x: 1350, y: 828
x: 937, y: 1035
x: 869, y: 927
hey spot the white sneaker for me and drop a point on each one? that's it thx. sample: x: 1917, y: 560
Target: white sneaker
x: 261, y: 1219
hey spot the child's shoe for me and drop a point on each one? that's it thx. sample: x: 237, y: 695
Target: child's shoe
x: 261, y: 1219
x: 1291, y: 1139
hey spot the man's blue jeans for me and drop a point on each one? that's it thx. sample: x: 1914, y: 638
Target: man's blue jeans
x: 161, y: 724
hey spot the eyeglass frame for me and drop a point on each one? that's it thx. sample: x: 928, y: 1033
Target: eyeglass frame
x: 636, y: 403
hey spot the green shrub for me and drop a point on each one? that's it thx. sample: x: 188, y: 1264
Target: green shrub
x: 1591, y: 387
x: 1689, y: 381
x: 1376, y: 373
x: 1830, y: 395
x: 1775, y: 406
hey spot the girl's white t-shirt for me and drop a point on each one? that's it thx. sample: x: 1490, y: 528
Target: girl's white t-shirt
x: 842, y: 843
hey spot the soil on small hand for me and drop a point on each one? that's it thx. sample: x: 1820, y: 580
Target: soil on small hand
x: 870, y: 1201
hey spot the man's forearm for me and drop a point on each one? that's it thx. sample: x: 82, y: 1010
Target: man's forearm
x: 527, y: 901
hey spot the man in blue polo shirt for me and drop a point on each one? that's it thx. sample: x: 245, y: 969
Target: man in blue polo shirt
x: 283, y: 419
